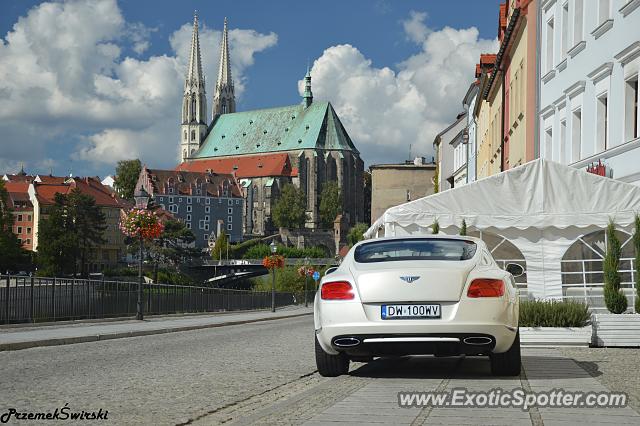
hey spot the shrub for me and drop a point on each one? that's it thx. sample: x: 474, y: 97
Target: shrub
x: 614, y: 299
x: 259, y: 251
x: 553, y: 313
x: 435, y: 227
x: 463, y: 228
x: 236, y: 251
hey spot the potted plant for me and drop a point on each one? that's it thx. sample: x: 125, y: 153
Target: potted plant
x: 615, y: 329
x: 554, y: 323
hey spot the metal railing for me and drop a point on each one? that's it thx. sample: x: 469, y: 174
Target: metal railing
x: 35, y: 299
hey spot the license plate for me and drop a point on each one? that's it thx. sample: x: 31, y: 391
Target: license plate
x: 410, y: 311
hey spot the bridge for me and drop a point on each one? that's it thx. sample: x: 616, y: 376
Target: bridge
x: 223, y: 273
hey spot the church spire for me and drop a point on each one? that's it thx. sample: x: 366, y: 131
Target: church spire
x: 308, y: 95
x: 224, y: 100
x: 194, y: 101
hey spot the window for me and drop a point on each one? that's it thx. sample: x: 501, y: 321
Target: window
x: 238, y: 201
x: 549, y: 46
x: 230, y: 202
x: 171, y: 199
x: 28, y: 241
x: 578, y: 17
x: 563, y: 141
x: 189, y: 200
x: 601, y: 122
x: 188, y: 218
x: 576, y: 135
x: 179, y: 199
x: 604, y: 7
x: 207, y: 209
x: 565, y: 29
x: 193, y: 135
x: 631, y: 109
x: 188, y: 225
x: 28, y: 230
x: 206, y: 218
x: 201, y: 224
x: 207, y: 201
x: 28, y: 218
x: 170, y: 192
x: 160, y: 199
x: 19, y: 229
x: 229, y: 227
x: 548, y: 144
x: 189, y: 208
x: 229, y: 219
x: 415, y: 249
x: 230, y: 210
x: 206, y: 237
x: 185, y: 136
x: 19, y: 218
x: 206, y: 226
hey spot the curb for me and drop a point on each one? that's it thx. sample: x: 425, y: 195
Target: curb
x: 4, y: 347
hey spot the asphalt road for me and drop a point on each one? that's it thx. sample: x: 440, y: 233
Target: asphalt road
x: 264, y: 373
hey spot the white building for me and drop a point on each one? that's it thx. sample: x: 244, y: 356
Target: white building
x: 451, y: 154
x: 469, y: 103
x: 589, y: 63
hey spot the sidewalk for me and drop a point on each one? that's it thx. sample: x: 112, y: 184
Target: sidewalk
x: 15, y: 338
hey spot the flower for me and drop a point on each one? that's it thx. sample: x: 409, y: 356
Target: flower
x: 141, y: 223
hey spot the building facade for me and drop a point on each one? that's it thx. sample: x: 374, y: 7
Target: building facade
x: 589, y: 86
x: 445, y: 144
x: 394, y: 184
x: 470, y: 151
x: 203, y: 201
x: 22, y: 210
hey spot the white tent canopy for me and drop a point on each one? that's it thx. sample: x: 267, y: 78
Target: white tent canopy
x: 541, y: 207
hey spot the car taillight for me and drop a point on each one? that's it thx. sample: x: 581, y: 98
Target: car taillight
x: 486, y: 287
x: 337, y: 290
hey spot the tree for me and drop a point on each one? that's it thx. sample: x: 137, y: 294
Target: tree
x: 290, y: 209
x: 330, y: 203
x: 614, y: 299
x: 172, y: 248
x: 436, y: 180
x: 220, y: 248
x: 74, y: 226
x: 356, y: 233
x: 435, y: 227
x: 13, y: 255
x: 127, y: 172
x: 463, y: 228
x: 636, y: 244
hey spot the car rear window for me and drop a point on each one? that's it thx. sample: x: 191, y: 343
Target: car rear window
x: 415, y: 249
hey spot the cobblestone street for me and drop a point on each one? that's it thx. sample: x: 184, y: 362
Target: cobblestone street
x: 211, y: 377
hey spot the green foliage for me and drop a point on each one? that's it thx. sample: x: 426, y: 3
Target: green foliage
x: 219, y: 250
x: 259, y: 251
x: 171, y: 248
x: 330, y: 204
x: 121, y: 272
x: 168, y: 276
x: 356, y: 233
x: 436, y: 180
x: 614, y: 299
x: 290, y: 209
x: 435, y: 227
x: 12, y: 254
x: 636, y: 245
x: 74, y: 226
x: 463, y: 228
x: 552, y: 313
x: 127, y: 172
x: 288, y: 280
x: 237, y: 251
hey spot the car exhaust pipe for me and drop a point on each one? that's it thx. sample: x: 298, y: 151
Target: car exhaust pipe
x: 346, y: 342
x: 477, y: 340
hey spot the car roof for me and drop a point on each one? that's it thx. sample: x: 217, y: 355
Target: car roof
x: 426, y: 236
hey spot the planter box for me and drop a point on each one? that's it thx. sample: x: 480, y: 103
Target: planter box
x: 555, y: 336
x: 616, y: 330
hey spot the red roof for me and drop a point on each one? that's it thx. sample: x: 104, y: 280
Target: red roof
x: 90, y: 186
x: 246, y: 166
x: 18, y: 195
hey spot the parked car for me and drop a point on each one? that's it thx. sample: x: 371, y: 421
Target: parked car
x: 441, y: 295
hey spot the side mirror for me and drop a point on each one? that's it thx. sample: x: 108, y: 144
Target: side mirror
x: 330, y: 270
x: 514, y: 269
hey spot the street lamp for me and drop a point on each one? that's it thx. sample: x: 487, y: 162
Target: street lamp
x: 274, y: 249
x: 142, y: 202
x: 306, y: 278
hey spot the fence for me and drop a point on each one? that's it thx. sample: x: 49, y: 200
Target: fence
x: 34, y: 299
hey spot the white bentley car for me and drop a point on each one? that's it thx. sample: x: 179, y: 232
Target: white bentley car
x: 440, y: 295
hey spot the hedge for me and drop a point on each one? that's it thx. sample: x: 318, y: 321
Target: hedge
x: 545, y: 313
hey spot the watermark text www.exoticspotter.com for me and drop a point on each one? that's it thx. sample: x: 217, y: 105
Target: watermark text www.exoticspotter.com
x: 62, y: 413
x: 518, y: 398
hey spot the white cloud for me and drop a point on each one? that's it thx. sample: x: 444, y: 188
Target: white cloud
x: 63, y: 76
x: 385, y: 110
x: 414, y: 27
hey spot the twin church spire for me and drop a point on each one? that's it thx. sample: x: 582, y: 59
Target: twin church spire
x: 194, y: 102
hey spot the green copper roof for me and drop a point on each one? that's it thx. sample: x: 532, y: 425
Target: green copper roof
x: 276, y: 129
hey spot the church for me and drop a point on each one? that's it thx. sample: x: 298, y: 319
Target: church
x: 304, y: 144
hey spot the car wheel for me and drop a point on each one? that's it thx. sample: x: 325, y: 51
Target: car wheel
x: 330, y: 365
x: 507, y: 363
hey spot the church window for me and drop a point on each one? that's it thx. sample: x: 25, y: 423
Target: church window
x: 224, y: 107
x: 185, y: 135
x: 193, y: 135
x: 193, y: 109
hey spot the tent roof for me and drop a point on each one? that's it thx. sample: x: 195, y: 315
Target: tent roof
x: 539, y: 194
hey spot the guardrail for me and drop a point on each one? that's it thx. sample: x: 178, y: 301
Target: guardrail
x: 35, y: 299
x: 288, y: 261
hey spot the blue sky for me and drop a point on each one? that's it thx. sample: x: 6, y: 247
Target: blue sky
x: 392, y: 45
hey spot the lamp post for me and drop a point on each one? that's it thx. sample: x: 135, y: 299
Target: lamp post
x: 142, y: 202
x: 306, y: 278
x: 274, y: 249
